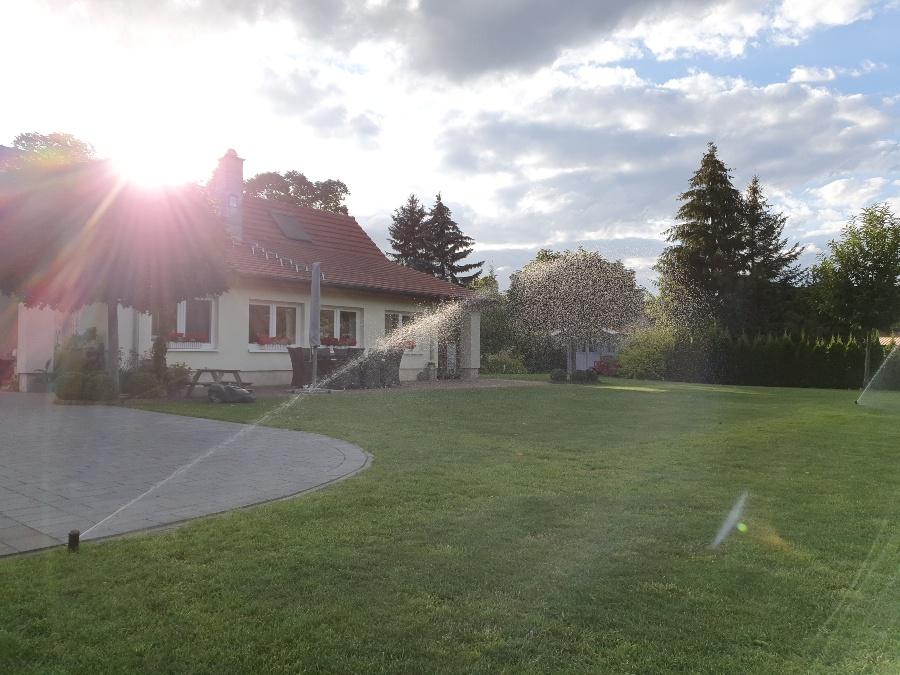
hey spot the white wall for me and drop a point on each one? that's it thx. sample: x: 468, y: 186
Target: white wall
x: 9, y: 331
x: 40, y: 330
x: 230, y: 331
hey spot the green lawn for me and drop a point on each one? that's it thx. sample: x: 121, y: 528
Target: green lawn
x: 556, y: 528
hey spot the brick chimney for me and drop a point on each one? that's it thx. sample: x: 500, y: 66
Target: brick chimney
x: 226, y: 190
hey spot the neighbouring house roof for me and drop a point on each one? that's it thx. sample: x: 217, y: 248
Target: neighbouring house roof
x: 280, y: 240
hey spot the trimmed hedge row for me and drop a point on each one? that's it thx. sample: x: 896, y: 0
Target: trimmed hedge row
x: 716, y: 357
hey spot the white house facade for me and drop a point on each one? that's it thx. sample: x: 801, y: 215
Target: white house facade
x: 266, y: 309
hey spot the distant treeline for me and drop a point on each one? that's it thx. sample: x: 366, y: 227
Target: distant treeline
x: 717, y: 357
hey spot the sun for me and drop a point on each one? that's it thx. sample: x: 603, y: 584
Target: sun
x: 146, y: 170
x: 155, y: 167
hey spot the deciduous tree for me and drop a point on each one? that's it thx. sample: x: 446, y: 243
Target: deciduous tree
x: 857, y: 284
x: 296, y: 188
x: 575, y: 296
x: 78, y: 234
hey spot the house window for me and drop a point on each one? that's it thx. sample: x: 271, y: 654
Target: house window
x: 272, y: 326
x: 187, y: 325
x: 395, y: 320
x: 339, y: 326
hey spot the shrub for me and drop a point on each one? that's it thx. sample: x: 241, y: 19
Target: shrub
x: 558, y: 375
x: 504, y: 361
x: 607, y: 366
x: 647, y: 355
x: 178, y: 375
x: 98, y: 387
x: 584, y: 377
x: 70, y: 386
x: 142, y: 383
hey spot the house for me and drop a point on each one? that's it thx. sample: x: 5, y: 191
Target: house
x: 266, y: 309
x: 606, y: 347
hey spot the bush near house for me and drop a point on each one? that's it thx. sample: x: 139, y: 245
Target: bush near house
x: 716, y: 357
x: 141, y: 380
x: 584, y: 376
x: 506, y: 361
x: 85, y: 386
x: 558, y: 375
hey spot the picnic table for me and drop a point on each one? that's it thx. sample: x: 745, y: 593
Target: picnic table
x: 216, y: 374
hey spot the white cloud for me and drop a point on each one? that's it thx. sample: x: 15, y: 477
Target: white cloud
x: 850, y: 193
x: 812, y: 74
x: 822, y: 74
x: 795, y: 19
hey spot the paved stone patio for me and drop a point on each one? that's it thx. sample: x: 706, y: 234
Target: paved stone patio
x: 69, y: 467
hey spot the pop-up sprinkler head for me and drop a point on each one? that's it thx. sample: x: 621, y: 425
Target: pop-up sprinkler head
x: 74, y: 536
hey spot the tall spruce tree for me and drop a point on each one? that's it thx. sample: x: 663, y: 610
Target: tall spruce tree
x: 770, y: 264
x: 407, y: 236
x: 706, y: 258
x: 447, y: 246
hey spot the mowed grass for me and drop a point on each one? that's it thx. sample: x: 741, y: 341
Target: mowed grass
x: 542, y: 529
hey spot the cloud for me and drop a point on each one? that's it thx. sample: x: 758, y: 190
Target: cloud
x: 812, y: 74
x: 850, y: 193
x: 299, y: 94
x: 470, y: 38
x: 795, y: 19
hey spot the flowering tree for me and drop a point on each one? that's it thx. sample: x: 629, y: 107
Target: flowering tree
x: 78, y: 234
x: 574, y: 295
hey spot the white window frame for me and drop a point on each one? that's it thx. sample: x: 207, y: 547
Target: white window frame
x: 181, y: 322
x: 405, y: 316
x: 273, y: 305
x: 337, y: 321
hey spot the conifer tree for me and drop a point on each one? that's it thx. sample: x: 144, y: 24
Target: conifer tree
x: 447, y: 246
x: 770, y: 265
x: 407, y: 236
x: 706, y: 254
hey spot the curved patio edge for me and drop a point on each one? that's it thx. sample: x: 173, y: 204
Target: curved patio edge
x: 108, y: 471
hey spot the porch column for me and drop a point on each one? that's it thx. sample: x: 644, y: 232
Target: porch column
x: 470, y: 346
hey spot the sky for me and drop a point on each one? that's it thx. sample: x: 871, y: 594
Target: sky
x: 542, y: 124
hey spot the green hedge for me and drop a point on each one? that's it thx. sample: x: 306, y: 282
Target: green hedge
x: 716, y: 357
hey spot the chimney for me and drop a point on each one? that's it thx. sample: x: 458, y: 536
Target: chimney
x: 226, y: 190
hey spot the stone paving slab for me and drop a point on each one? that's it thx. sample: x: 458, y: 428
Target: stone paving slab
x: 71, y: 467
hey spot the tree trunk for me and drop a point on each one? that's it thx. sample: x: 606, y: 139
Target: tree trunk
x: 112, y: 342
x: 570, y: 357
x: 867, y: 362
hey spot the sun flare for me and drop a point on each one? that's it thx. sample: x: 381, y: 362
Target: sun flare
x: 157, y: 167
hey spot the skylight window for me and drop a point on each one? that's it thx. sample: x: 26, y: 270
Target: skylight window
x: 290, y: 226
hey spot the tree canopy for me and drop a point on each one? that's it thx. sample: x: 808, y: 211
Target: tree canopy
x: 78, y: 234
x: 447, y: 246
x: 296, y: 188
x: 432, y: 242
x: 55, y: 149
x: 728, y: 258
x: 857, y: 284
x: 574, y: 295
x: 407, y: 236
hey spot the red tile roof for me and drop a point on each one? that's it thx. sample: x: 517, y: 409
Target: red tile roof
x: 349, y: 257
